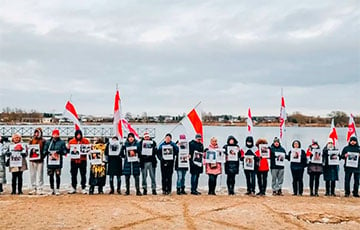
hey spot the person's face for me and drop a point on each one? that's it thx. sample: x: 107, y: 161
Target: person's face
x: 276, y: 144
x: 131, y: 139
x: 78, y: 136
x: 17, y: 139
x: 352, y: 142
x: 213, y: 142
x: 198, y: 140
x: 231, y: 141
x: 55, y: 136
x: 147, y: 138
x: 330, y: 145
x: 167, y: 139
x: 296, y: 145
x: 36, y: 134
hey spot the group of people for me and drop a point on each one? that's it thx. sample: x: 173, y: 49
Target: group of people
x: 140, y: 157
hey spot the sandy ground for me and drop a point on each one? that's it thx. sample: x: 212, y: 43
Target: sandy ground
x: 178, y: 212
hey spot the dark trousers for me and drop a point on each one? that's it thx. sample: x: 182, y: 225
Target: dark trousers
x: 330, y: 187
x: 111, y: 180
x: 230, y: 182
x: 52, y: 181
x: 314, y: 178
x: 298, y: 184
x: 348, y: 176
x: 74, y: 168
x: 17, y: 178
x: 212, y: 184
x: 262, y: 181
x: 166, y: 177
x: 194, y: 182
x: 137, y: 182
x: 250, y: 181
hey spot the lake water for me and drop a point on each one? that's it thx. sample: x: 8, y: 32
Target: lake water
x: 305, y: 135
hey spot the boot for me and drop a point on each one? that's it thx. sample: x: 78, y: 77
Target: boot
x: 91, y: 190
x: 127, y: 188
x: 327, y: 188
x: 178, y: 192
x: 183, y: 191
x: 100, y: 190
x: 138, y: 193
x: 1, y: 188
x: 279, y: 193
x: 333, y: 188
x: 154, y: 192
x: 144, y: 192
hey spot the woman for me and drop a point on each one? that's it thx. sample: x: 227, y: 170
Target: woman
x: 232, y: 154
x: 3, y: 149
x: 331, y: 172
x: 315, y: 168
x: 17, y: 150
x: 98, y: 169
x: 250, y: 159
x: 297, y: 157
x: 212, y: 169
x: 131, y: 166
x: 114, y: 164
x: 262, y: 172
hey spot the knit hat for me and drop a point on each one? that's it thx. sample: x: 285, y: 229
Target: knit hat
x: 198, y: 136
x: 276, y: 139
x: 146, y: 134
x: 182, y: 137
x: 168, y: 135
x: 56, y: 132
x: 131, y: 135
x: 330, y: 141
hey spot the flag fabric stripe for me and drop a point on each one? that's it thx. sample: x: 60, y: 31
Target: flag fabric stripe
x: 70, y: 113
x: 333, y: 134
x: 129, y: 127
x: 282, y: 117
x: 117, y: 116
x: 249, y: 123
x: 351, y: 128
x: 193, y: 124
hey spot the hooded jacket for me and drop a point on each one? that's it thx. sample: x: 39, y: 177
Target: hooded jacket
x: 231, y: 167
x: 59, y: 147
x: 273, y: 150
x: 351, y: 148
x: 130, y: 168
x: 75, y: 141
x: 199, y: 147
x: 249, y: 150
x: 152, y: 158
x: 38, y: 141
x: 303, y: 161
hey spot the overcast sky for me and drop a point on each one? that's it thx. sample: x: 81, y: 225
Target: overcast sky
x: 167, y: 56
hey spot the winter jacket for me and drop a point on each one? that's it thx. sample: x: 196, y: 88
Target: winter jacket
x: 38, y: 141
x: 331, y: 172
x: 114, y: 167
x: 215, y: 168
x: 144, y: 158
x: 59, y: 147
x: 75, y: 141
x: 263, y: 162
x: 232, y: 167
x: 167, y: 163
x: 250, y: 150
x: 351, y: 148
x: 24, y: 164
x: 130, y: 168
x: 199, y: 147
x: 303, y: 160
x: 313, y: 167
x: 274, y: 150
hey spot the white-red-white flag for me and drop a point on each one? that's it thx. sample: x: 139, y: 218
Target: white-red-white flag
x: 117, y: 117
x: 333, y: 134
x: 249, y: 123
x: 351, y: 128
x: 71, y: 114
x: 129, y: 127
x: 193, y: 124
x: 282, y: 117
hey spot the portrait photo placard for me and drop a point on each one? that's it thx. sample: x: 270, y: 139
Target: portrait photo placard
x: 167, y: 152
x: 183, y: 161
x: 316, y: 156
x: 147, y: 148
x: 75, y: 151
x: 220, y: 156
x: 114, y: 148
x: 333, y: 157
x: 279, y: 159
x: 54, y: 158
x: 95, y: 157
x: 352, y: 160
x: 198, y: 158
x: 15, y: 159
x: 131, y: 154
x: 249, y: 163
x: 295, y: 156
x: 34, y: 152
x: 85, y: 149
x: 211, y: 155
x: 264, y: 151
x: 232, y: 153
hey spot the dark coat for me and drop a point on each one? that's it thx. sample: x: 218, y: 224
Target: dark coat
x: 231, y: 167
x: 130, y: 168
x: 351, y: 148
x: 296, y: 165
x: 55, y: 145
x: 273, y: 150
x: 331, y: 172
x: 152, y: 158
x: 168, y: 163
x: 313, y: 168
x: 114, y: 167
x: 199, y: 147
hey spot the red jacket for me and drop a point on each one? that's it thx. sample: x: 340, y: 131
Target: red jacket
x: 84, y: 141
x: 263, y: 164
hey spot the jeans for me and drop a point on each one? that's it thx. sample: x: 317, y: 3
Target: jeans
x: 230, y: 181
x: 277, y: 176
x: 36, y: 175
x: 148, y: 167
x: 194, y: 182
x: 180, y: 178
x: 298, y: 184
x: 167, y: 171
x: 262, y: 181
x: 74, y: 168
x: 347, y: 182
x: 250, y: 181
x: 314, y: 177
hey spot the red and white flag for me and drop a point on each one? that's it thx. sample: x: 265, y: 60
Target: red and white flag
x: 282, y: 117
x: 333, y: 134
x: 193, y: 124
x: 117, y: 117
x: 249, y: 123
x: 351, y: 128
x: 129, y: 128
x: 71, y: 114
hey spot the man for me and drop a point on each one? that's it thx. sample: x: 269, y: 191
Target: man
x: 166, y: 152
x: 352, y: 147
x: 196, y: 167
x: 78, y: 164
x: 277, y: 167
x: 54, y: 149
x: 148, y: 162
x: 37, y: 166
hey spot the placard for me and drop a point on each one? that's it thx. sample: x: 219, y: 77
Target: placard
x: 333, y: 157
x: 15, y: 159
x: 114, y: 148
x: 316, y: 156
x: 211, y: 155
x: 198, y: 158
x: 183, y: 161
x: 147, y: 148
x: 220, y: 156
x: 184, y: 147
x: 352, y: 160
x: 167, y: 152
x: 85, y: 149
x: 54, y: 158
x: 249, y: 163
x: 279, y: 159
x: 34, y: 152
x: 75, y: 151
x: 232, y: 153
x: 264, y: 151
x: 295, y: 156
x: 19, y: 147
x: 95, y: 157
x: 131, y: 153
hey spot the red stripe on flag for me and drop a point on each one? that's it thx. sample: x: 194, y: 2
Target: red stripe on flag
x: 70, y: 107
x: 196, y: 122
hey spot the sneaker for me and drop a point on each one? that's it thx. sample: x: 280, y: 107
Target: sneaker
x: 118, y: 191
x: 72, y: 191
x: 40, y: 192
x: 33, y: 192
x: 57, y: 193
x: 274, y: 193
x: 356, y: 195
x: 83, y: 191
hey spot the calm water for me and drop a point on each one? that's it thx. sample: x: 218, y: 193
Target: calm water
x: 305, y: 135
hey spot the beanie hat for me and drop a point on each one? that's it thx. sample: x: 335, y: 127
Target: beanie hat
x: 131, y: 135
x: 198, y: 136
x: 168, y: 135
x: 55, y: 132
x: 182, y: 137
x: 276, y: 139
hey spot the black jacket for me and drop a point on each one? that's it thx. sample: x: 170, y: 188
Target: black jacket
x: 351, y: 148
x: 231, y: 167
x: 114, y: 167
x: 152, y: 158
x: 199, y: 147
x: 273, y: 150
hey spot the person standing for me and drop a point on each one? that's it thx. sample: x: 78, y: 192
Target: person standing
x: 277, y: 159
x: 54, y: 150
x: 114, y: 167
x: 78, y: 164
x: 37, y: 166
x: 98, y: 167
x: 181, y: 171
x: 148, y: 162
x: 263, y: 169
x: 212, y: 169
x: 331, y: 171
x: 3, y: 150
x: 130, y: 152
x: 196, y: 162
x: 314, y: 168
x: 167, y: 151
x: 232, y: 153
x: 297, y: 166
x: 250, y: 174
x: 352, y: 147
